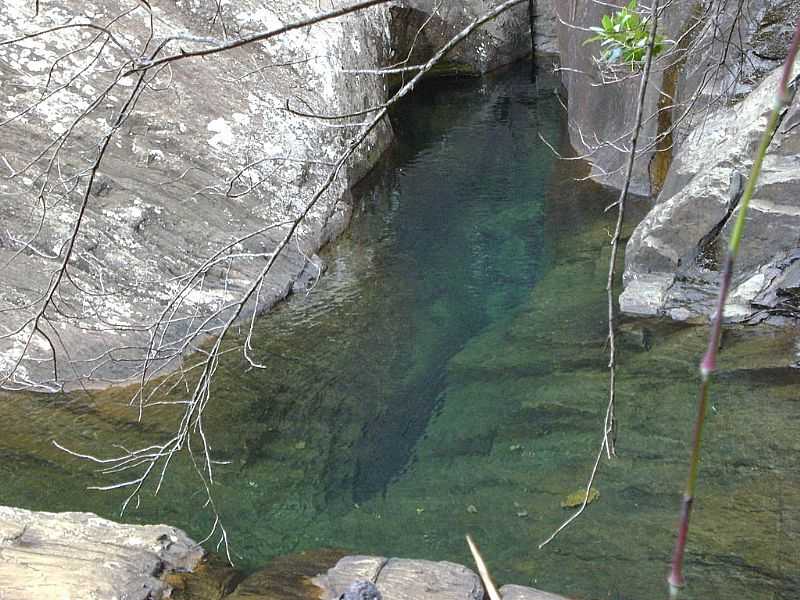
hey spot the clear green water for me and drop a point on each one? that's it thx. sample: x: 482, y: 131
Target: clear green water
x: 447, y: 376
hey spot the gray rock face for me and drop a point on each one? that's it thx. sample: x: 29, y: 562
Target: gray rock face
x: 418, y: 29
x: 201, y: 180
x: 546, y: 27
x: 80, y: 555
x: 401, y: 579
x: 672, y: 258
x: 518, y: 592
x: 773, y: 27
x: 703, y: 70
x: 601, y: 112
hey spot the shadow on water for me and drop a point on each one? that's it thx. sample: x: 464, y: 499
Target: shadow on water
x: 455, y: 237
x: 448, y: 375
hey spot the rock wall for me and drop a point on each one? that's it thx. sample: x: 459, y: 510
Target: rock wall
x: 546, y: 26
x: 703, y: 113
x: 419, y: 26
x: 210, y: 155
x: 672, y: 259
x: 601, y: 111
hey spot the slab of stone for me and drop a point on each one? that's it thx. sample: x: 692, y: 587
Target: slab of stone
x: 289, y: 577
x: 402, y: 579
x: 673, y: 258
x: 80, y: 555
x: 518, y: 592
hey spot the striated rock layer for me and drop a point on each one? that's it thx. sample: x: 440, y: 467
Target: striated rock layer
x: 701, y: 70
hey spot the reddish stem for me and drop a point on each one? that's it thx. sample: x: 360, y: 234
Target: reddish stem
x: 709, y: 361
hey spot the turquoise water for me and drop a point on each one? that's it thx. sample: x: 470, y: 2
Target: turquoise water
x: 447, y: 376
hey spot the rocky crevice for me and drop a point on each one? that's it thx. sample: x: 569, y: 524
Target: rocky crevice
x: 708, y: 103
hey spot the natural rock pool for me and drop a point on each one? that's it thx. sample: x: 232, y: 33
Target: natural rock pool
x: 448, y: 375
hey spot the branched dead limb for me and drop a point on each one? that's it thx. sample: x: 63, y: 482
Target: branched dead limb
x: 607, y: 440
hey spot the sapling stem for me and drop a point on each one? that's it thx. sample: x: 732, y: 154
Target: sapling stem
x: 709, y: 362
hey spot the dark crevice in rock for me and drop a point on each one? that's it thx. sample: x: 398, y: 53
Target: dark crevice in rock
x: 707, y: 252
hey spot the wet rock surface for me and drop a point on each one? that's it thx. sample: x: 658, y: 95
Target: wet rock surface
x: 212, y: 579
x: 326, y: 574
x: 211, y: 155
x: 702, y: 69
x: 80, y: 555
x: 289, y: 577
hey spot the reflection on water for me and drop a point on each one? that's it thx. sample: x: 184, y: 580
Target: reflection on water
x: 447, y: 375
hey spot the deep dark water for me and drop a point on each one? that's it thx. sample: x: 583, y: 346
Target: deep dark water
x: 447, y: 375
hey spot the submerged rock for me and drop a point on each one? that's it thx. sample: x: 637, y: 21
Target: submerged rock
x: 79, y: 555
x: 212, y: 579
x: 288, y: 577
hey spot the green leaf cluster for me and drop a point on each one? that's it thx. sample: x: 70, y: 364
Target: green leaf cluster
x: 623, y: 37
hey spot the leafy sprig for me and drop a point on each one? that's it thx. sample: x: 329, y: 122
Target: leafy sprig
x: 623, y: 37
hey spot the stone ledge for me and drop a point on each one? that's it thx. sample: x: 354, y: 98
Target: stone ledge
x: 82, y: 556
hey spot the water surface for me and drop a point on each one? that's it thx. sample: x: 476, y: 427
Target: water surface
x: 447, y: 375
